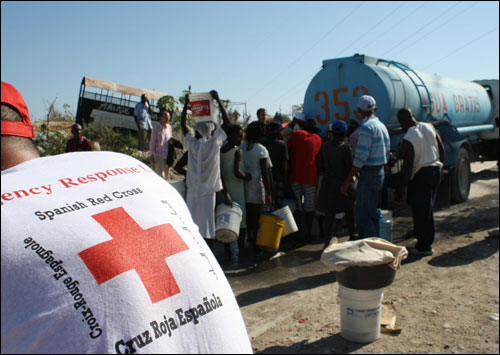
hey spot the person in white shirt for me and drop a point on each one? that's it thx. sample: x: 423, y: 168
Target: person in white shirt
x: 100, y: 255
x: 423, y: 153
x: 203, y: 174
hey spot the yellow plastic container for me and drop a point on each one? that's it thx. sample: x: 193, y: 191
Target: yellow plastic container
x: 271, y: 228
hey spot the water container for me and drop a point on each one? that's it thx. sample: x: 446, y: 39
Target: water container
x: 203, y: 107
x: 360, y: 312
x: 271, y: 228
x: 227, y: 222
x: 290, y: 225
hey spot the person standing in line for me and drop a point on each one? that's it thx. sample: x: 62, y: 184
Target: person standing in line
x: 142, y: 116
x: 278, y: 153
x: 203, y: 173
x: 353, y: 132
x: 262, y: 115
x: 233, y: 182
x: 258, y: 189
x: 160, y: 144
x: 335, y: 161
x: 370, y: 158
x: 78, y: 143
x: 304, y: 145
x: 423, y: 154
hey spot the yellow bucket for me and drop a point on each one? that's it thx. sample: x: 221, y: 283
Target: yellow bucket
x: 271, y: 228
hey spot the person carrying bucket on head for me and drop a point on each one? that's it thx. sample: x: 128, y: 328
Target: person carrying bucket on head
x: 233, y: 183
x: 203, y: 174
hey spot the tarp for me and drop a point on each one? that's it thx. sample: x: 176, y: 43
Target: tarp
x: 364, y: 252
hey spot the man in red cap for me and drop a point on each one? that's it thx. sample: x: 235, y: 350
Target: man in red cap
x: 17, y: 131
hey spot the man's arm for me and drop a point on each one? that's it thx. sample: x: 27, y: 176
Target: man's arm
x: 348, y: 180
x: 408, y: 157
x: 238, y: 157
x: 184, y: 115
x: 267, y: 179
x: 440, y: 148
x: 225, y: 117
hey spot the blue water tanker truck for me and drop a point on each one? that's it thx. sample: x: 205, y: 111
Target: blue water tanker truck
x: 463, y: 112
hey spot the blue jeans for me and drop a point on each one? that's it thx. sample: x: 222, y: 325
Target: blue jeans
x: 371, y: 180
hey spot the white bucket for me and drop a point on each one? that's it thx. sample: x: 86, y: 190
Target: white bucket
x: 180, y: 186
x: 203, y: 107
x: 227, y: 222
x: 360, y: 312
x: 290, y: 225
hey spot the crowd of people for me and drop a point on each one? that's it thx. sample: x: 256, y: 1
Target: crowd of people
x: 337, y: 179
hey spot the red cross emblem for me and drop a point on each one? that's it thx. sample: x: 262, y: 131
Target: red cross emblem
x: 133, y: 248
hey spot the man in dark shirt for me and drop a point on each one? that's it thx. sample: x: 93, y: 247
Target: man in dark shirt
x: 278, y: 152
x: 78, y: 143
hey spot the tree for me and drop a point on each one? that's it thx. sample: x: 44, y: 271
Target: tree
x: 297, y: 108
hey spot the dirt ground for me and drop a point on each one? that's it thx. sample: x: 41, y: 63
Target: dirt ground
x: 445, y: 303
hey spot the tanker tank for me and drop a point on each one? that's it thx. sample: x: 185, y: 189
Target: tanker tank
x: 462, y: 111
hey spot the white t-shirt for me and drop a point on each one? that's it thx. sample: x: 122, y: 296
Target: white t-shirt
x: 423, y: 139
x: 252, y: 157
x: 100, y: 255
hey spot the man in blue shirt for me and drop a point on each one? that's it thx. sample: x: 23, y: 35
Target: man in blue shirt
x: 370, y: 157
x: 142, y: 115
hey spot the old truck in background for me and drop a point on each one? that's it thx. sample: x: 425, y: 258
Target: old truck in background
x: 104, y: 103
x: 462, y: 111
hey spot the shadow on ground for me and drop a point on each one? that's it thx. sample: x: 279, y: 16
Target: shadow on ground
x: 300, y: 284
x: 468, y: 254
x: 334, y: 344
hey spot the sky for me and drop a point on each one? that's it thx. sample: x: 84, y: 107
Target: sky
x: 261, y: 53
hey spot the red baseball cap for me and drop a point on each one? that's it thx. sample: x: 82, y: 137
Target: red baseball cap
x: 12, y: 97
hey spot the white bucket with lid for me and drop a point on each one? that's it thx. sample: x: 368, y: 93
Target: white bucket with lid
x: 290, y: 225
x: 227, y: 222
x: 203, y: 107
x: 360, y: 312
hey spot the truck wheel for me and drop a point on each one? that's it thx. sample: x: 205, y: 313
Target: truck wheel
x: 460, y: 184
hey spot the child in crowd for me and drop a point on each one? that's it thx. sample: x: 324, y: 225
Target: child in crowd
x: 233, y: 182
x: 258, y: 189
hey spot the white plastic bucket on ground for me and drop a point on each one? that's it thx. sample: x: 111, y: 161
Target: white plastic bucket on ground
x: 360, y: 312
x: 202, y: 107
x: 290, y: 225
x: 227, y: 222
x: 180, y: 186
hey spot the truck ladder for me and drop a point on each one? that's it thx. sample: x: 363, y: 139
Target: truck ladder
x: 419, y: 83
